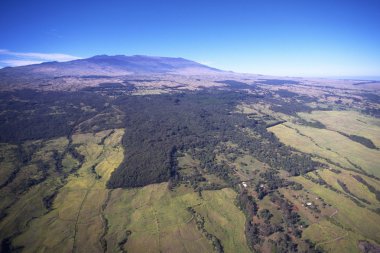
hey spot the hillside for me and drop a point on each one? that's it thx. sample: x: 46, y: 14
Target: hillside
x: 135, y: 154
x: 112, y: 66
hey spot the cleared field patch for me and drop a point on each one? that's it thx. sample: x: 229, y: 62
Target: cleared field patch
x: 188, y: 166
x: 265, y: 203
x: 159, y: 220
x: 224, y: 219
x: 245, y: 166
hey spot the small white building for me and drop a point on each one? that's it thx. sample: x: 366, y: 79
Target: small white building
x: 308, y: 203
x: 244, y: 184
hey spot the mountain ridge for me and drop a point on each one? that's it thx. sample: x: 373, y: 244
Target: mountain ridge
x: 113, y: 65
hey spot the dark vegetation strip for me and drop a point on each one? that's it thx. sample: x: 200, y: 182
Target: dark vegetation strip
x: 374, y: 112
x: 370, y: 187
x: 286, y: 94
x: 360, y: 139
x: 102, y: 239
x: 23, y: 159
x: 200, y: 222
x: 49, y: 199
x: 236, y: 84
x: 354, y: 165
x: 105, y: 137
x: 124, y: 241
x: 275, y: 123
x: 347, y: 193
x: 329, y: 161
x: 345, y: 188
x: 277, y: 81
x: 7, y: 247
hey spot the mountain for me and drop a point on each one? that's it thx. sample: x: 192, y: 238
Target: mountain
x: 111, y: 66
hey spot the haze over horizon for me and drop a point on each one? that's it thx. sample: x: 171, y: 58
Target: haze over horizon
x: 296, y: 38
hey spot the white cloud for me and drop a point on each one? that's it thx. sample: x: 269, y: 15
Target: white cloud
x: 207, y: 63
x: 16, y: 63
x: 22, y: 58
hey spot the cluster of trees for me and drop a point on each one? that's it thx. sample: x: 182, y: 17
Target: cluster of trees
x: 286, y: 94
x: 257, y: 232
x: 375, y: 112
x: 314, y: 123
x: 236, y: 85
x: 290, y: 108
x: 360, y: 139
x: 270, y: 181
x: 31, y: 115
x: 291, y: 218
x: 319, y: 180
x: 277, y: 81
x: 247, y: 204
x: 283, y: 244
x: 112, y: 89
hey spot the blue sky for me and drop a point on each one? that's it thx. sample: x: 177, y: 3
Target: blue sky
x: 282, y: 37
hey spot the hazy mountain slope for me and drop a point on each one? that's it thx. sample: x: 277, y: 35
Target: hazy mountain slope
x: 110, y: 66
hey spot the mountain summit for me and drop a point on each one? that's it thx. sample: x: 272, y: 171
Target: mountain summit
x: 113, y: 66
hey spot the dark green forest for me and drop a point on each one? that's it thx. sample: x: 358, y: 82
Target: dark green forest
x: 157, y: 128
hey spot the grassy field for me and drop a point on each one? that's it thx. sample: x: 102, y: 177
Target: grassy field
x: 87, y: 217
x: 331, y: 145
x: 332, y: 238
x: 349, y: 122
x: 349, y: 217
x: 358, y: 189
x: 160, y: 222
x: 224, y: 219
x: 19, y: 200
x: 75, y: 224
x: 340, y: 230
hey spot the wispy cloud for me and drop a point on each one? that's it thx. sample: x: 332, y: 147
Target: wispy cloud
x: 207, y: 63
x: 22, y: 58
x: 16, y: 63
